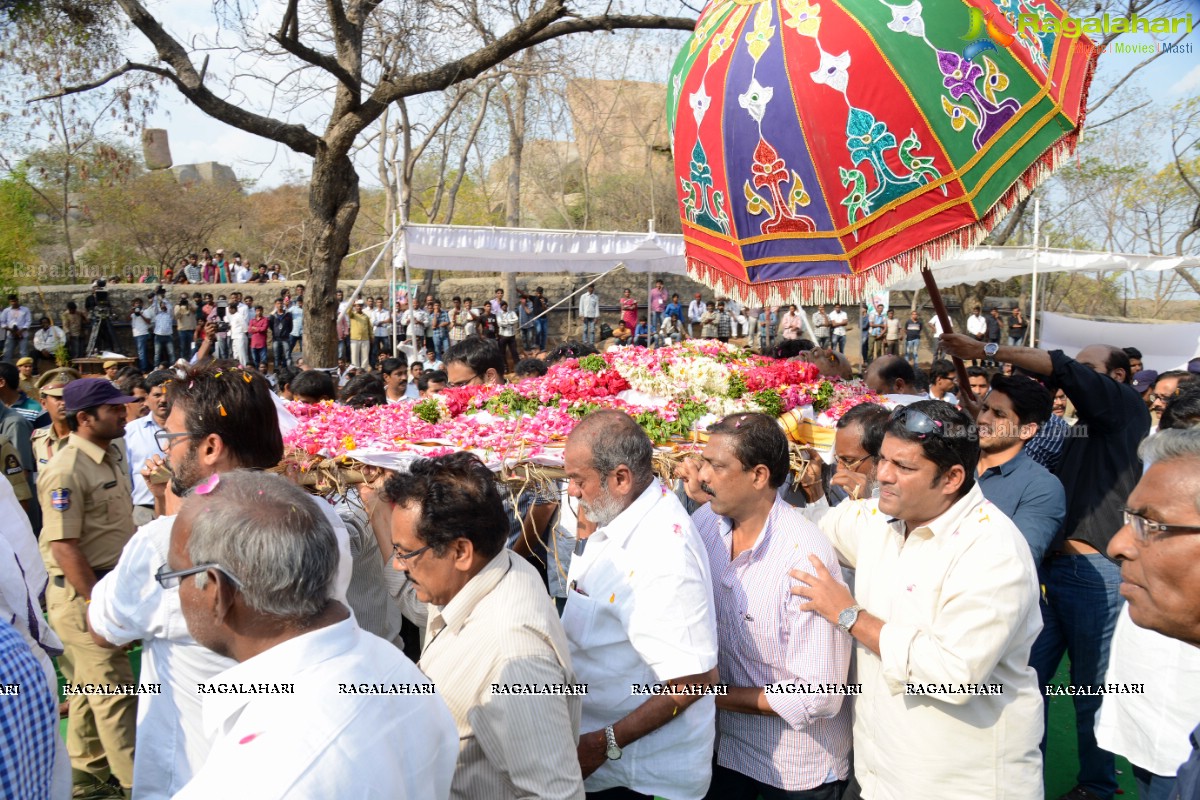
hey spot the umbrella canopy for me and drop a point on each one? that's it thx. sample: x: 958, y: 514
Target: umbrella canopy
x: 822, y: 148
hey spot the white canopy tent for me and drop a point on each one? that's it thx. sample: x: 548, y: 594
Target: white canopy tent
x: 462, y: 247
x: 492, y: 249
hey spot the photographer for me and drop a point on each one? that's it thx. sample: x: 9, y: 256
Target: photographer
x: 16, y: 321
x: 221, y: 329
x: 140, y: 319
x: 164, y: 328
x: 185, y: 324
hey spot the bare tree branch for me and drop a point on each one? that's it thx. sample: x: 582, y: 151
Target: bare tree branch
x: 185, y: 77
x: 316, y: 58
x: 610, y: 23
x: 1094, y: 125
x: 127, y: 67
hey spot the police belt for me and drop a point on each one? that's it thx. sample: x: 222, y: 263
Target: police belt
x: 61, y: 582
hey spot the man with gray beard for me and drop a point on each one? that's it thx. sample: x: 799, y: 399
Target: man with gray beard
x: 640, y: 621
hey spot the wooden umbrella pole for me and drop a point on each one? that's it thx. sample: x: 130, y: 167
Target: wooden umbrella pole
x: 943, y: 316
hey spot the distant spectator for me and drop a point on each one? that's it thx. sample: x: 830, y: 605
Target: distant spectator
x: 313, y: 386
x: 531, y: 368
x: 569, y: 350
x: 431, y: 382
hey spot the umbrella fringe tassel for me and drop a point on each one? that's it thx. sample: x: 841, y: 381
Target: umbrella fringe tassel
x: 852, y: 288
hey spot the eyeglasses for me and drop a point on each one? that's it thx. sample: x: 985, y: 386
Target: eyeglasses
x: 397, y: 555
x: 851, y: 463
x: 1144, y: 529
x: 459, y: 384
x: 164, y: 439
x: 169, y: 579
x: 917, y: 422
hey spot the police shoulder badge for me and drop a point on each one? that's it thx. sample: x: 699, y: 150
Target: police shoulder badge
x: 61, y: 499
x: 11, y: 465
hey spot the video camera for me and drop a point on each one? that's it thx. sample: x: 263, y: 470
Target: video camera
x: 222, y: 309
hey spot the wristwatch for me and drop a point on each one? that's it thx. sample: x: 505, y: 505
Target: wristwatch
x: 990, y: 349
x: 847, y: 618
x: 613, y: 752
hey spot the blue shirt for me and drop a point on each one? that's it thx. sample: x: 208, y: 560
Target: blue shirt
x: 674, y: 310
x: 28, y: 721
x: 140, y: 445
x: 1030, y: 496
x: 297, y: 313
x: 1046, y: 446
x: 1187, y: 779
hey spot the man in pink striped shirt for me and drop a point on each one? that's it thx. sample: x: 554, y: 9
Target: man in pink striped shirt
x: 784, y: 725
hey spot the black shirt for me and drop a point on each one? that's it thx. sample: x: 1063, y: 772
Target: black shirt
x: 993, y: 328
x: 1099, y: 465
x: 1016, y: 330
x: 912, y: 330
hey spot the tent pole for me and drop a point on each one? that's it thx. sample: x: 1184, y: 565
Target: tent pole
x: 650, y: 340
x: 367, y: 276
x: 939, y: 308
x: 1033, y: 295
x: 392, y: 294
x: 576, y: 292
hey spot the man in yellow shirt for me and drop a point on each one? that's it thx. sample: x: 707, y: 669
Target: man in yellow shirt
x: 360, y: 336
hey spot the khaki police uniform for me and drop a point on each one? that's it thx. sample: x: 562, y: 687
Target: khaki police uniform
x: 13, y: 470
x: 85, y: 495
x: 45, y: 444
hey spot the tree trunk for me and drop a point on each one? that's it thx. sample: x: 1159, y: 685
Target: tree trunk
x: 515, y: 107
x: 333, y: 203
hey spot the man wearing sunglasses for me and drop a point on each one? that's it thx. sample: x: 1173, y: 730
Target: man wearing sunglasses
x: 219, y: 420
x: 489, y: 632
x: 88, y: 518
x: 1099, y: 467
x: 1157, y: 639
x: 944, y: 615
x: 311, y: 704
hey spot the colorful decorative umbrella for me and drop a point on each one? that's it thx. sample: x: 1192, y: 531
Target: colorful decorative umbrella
x: 819, y: 147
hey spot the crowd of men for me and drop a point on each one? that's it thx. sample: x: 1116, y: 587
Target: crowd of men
x: 889, y: 625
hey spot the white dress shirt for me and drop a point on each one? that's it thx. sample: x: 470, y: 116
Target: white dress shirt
x: 502, y: 628
x: 49, y: 339
x: 506, y: 323
x: 238, y: 319
x: 1150, y: 729
x: 129, y: 604
x: 838, y: 320
x: 320, y: 742
x: 140, y: 445
x: 959, y: 602
x: 640, y: 611
x: 140, y: 321
x: 589, y: 305
x: 242, y: 274
x: 696, y: 310
x: 415, y: 322
x: 976, y: 325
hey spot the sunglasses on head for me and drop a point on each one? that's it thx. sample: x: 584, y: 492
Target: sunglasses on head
x: 917, y: 422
